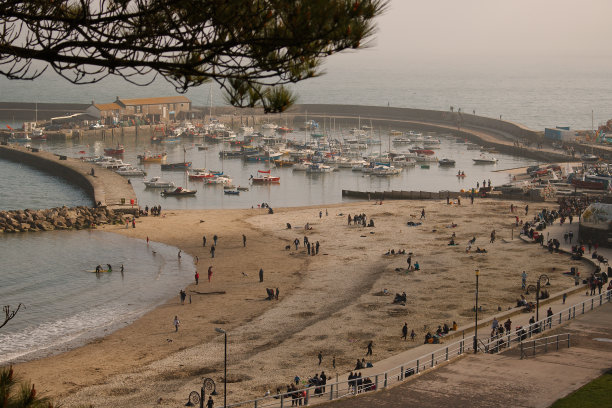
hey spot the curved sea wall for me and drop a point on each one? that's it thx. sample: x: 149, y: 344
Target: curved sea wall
x: 106, y: 188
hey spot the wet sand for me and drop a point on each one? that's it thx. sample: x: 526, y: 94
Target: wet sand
x: 331, y: 302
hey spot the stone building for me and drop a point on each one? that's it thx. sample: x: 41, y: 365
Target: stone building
x: 154, y: 110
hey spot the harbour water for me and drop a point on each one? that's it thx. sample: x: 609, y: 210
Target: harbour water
x: 64, y: 302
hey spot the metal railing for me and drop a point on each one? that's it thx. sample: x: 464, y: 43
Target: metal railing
x: 319, y: 393
x: 528, y: 348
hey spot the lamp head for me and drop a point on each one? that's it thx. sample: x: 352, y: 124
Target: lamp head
x: 218, y: 330
x: 214, y: 392
x: 477, y: 272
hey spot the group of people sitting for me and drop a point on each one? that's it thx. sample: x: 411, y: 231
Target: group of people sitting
x: 400, y: 299
x: 394, y: 252
x: 358, y: 384
x: 442, y: 331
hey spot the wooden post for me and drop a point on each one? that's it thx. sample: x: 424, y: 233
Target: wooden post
x: 417, y: 371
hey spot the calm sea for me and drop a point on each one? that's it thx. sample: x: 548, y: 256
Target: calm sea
x: 537, y: 95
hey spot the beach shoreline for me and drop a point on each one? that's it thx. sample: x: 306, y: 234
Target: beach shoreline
x: 318, y: 309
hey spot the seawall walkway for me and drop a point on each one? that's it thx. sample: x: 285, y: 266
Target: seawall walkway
x: 106, y: 188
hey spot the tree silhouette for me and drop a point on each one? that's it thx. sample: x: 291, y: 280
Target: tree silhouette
x: 257, y: 42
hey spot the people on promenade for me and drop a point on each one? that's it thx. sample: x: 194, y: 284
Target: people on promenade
x: 405, y: 331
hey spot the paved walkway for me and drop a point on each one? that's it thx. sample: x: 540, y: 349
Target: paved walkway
x: 486, y: 380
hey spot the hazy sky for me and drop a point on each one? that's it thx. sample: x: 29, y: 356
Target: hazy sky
x: 493, y: 30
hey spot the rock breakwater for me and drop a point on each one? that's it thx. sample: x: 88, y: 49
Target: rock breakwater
x: 62, y: 218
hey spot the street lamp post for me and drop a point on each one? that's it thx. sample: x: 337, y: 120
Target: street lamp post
x: 218, y: 330
x: 541, y: 278
x: 476, y: 318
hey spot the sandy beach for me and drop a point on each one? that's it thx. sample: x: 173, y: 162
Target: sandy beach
x: 331, y: 302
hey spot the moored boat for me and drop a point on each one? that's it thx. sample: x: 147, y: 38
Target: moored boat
x: 157, y: 182
x: 485, y: 159
x: 152, y: 158
x: 446, y: 162
x: 264, y: 176
x: 179, y: 192
x: 182, y: 166
x: 109, y: 151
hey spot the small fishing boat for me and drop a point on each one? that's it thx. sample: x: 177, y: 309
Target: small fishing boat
x: 157, y: 182
x: 130, y: 171
x: 176, y: 166
x: 319, y: 168
x: 265, y: 177
x: 179, y: 192
x: 152, y: 158
x: 446, y: 162
x: 485, y: 159
x: 242, y: 188
x: 461, y: 175
x: 419, y: 150
x: 200, y: 174
x: 114, y: 151
x: 231, y: 192
x: 218, y: 180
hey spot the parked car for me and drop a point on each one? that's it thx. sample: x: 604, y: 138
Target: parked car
x: 96, y: 126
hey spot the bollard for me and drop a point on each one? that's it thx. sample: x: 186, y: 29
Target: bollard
x: 568, y: 340
x: 376, y: 381
x: 600, y: 299
x: 255, y: 403
x: 582, y: 307
x: 432, y: 359
x: 447, y: 354
x: 385, y: 384
x: 307, y: 396
x: 574, y: 312
x: 533, y: 347
x: 417, y: 367
x: 331, y: 393
x: 281, y: 402
x: 401, y: 376
x: 592, y: 303
x: 521, y: 344
x: 557, y: 342
x: 560, y: 318
x: 546, y: 345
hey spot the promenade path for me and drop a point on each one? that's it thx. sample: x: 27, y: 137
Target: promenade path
x: 494, y: 380
x: 485, y: 380
x: 105, y: 187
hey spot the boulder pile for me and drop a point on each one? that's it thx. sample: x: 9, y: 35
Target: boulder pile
x: 57, y: 219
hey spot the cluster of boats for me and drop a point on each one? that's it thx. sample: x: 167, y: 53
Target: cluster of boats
x: 117, y: 165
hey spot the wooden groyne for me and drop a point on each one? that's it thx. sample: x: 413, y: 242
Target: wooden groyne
x: 106, y: 188
x: 437, y: 195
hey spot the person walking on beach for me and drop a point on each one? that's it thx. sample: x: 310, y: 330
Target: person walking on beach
x: 133, y: 222
x: 261, y: 274
x: 320, y: 214
x: 412, y: 335
x: 369, y: 352
x: 276, y: 294
x: 409, y: 261
x: 210, y: 272
x: 526, y: 209
x: 244, y: 240
x: 523, y: 280
x: 317, y: 247
x: 296, y: 242
x: 422, y: 213
x: 308, y: 247
x: 405, y: 331
x: 197, y: 277
x: 212, y: 251
x: 493, y: 236
x: 179, y: 254
x: 203, y: 240
x: 334, y: 359
x: 176, y: 323
x: 215, y: 237
x: 183, y: 296
x: 320, y: 357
